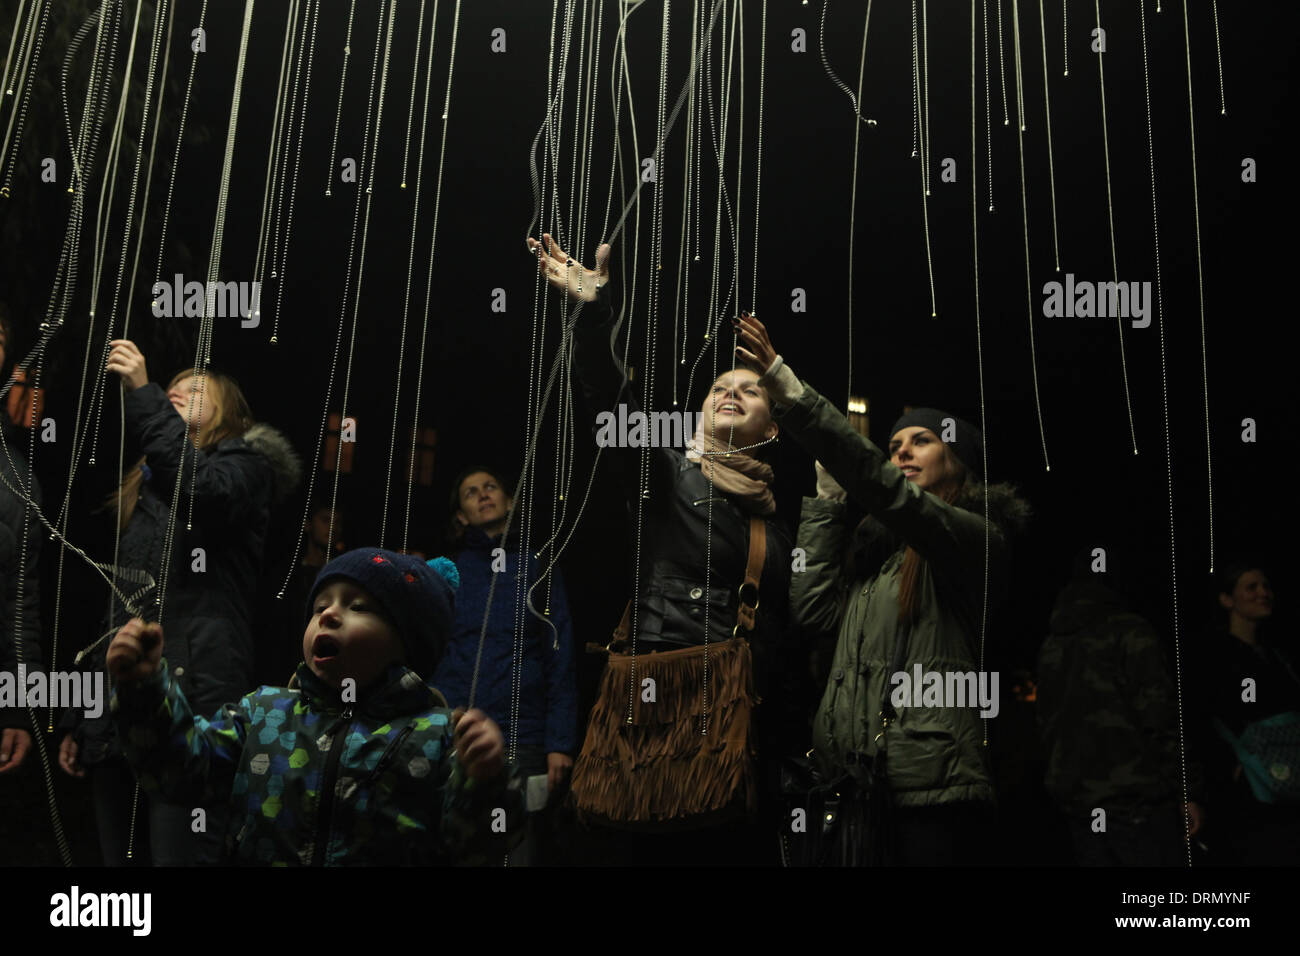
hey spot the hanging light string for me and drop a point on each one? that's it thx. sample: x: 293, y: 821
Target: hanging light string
x: 1024, y: 209
x: 853, y: 200
x: 153, y: 147
x: 1200, y: 284
x: 831, y: 73
x: 925, y: 92
x: 25, y: 68
x: 203, y: 349
x: 424, y: 329
x: 1065, y: 35
x: 84, y: 146
x: 568, y: 444
x: 1020, y: 80
x: 279, y: 122
x: 314, y: 9
x: 24, y: 96
x: 979, y: 346
x: 102, y: 225
x: 1002, y: 67
x: 13, y: 37
x: 176, y: 161
x: 362, y: 171
x: 415, y: 83
x: 922, y: 129
x: 988, y: 121
x: 61, y: 297
x: 916, y: 80
x: 716, y: 311
x: 154, y: 52
x: 681, y: 293
x: 563, y: 423
x: 1047, y: 110
x: 338, y: 113
x: 758, y: 154
x: 410, y: 267
x: 1110, y: 219
x: 1218, y: 53
x: 1164, y: 401
x: 556, y: 553
x: 297, y: 57
x: 617, y: 230
x: 368, y: 172
x: 77, y: 141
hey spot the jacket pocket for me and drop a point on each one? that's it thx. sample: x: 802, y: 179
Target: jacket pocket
x: 683, y: 608
x: 922, y: 751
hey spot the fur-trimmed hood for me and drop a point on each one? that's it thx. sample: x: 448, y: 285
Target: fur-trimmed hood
x: 873, y: 543
x: 286, y: 466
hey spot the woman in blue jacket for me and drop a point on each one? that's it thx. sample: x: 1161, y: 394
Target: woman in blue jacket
x: 537, y: 709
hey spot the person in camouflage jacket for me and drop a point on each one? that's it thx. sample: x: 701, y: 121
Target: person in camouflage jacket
x: 1108, y: 717
x: 380, y: 772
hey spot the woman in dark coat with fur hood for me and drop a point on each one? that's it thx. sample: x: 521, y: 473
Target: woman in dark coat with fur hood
x: 202, y: 565
x: 912, y: 598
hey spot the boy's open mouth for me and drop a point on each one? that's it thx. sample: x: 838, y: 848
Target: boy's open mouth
x: 326, y: 648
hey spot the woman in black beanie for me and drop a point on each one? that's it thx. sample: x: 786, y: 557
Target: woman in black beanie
x: 908, y: 603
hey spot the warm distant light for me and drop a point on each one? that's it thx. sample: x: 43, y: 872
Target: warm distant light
x: 857, y: 406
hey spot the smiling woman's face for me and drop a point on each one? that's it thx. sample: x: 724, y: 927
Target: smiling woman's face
x: 737, y: 410
x: 921, y: 456
x: 1251, y: 598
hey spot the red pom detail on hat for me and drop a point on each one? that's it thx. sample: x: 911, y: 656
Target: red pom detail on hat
x: 379, y: 559
x: 410, y: 579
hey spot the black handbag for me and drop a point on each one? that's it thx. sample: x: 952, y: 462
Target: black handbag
x: 842, y: 818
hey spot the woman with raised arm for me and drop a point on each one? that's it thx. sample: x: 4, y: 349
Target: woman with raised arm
x: 673, y: 738
x: 909, y: 601
x: 207, y: 555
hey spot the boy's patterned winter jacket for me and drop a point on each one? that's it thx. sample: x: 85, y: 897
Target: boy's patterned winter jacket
x: 316, y: 781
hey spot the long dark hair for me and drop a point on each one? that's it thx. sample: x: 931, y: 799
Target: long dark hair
x: 909, y: 576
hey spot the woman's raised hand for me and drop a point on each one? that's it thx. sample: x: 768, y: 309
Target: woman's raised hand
x: 128, y: 362
x: 761, y: 353
x: 783, y: 386
x: 568, y: 274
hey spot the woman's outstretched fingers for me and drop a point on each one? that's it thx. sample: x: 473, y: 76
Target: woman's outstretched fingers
x: 761, y: 353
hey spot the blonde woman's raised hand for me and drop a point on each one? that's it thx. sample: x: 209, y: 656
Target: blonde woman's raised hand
x: 565, y: 273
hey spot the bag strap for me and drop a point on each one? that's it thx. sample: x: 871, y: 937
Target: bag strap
x: 619, y: 638
x: 753, y: 572
x: 748, y: 588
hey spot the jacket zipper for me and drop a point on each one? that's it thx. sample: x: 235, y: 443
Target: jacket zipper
x: 327, y: 788
x: 389, y: 754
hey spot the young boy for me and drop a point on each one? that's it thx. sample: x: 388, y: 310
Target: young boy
x: 361, y: 762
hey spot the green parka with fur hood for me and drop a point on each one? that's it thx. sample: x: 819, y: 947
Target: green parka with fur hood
x: 850, y: 584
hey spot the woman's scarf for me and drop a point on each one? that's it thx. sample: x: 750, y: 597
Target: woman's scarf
x: 735, y: 472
